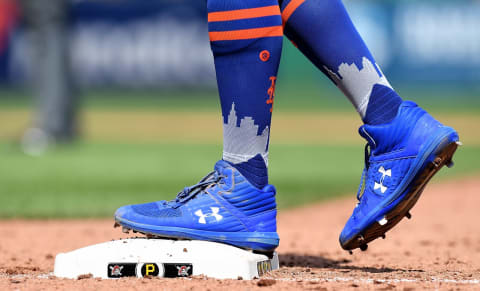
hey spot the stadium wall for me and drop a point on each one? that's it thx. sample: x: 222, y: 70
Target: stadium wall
x: 161, y: 43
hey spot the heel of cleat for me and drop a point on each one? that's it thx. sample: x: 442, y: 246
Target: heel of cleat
x: 450, y: 163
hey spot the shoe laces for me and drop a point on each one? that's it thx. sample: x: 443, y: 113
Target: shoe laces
x: 361, y: 187
x: 190, y: 192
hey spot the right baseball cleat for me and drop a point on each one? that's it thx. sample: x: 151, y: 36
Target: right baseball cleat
x: 223, y: 207
x: 404, y: 155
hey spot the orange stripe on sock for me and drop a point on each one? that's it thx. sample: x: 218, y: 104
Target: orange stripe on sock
x: 270, y: 31
x: 243, y: 13
x: 291, y: 7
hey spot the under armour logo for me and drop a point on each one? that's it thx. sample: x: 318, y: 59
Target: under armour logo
x: 380, y: 185
x: 214, y: 213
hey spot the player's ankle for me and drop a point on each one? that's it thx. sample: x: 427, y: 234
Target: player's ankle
x: 382, y: 106
x: 254, y: 170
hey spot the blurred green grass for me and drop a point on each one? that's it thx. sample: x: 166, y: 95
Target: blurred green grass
x: 111, y: 167
x: 309, y: 96
x: 128, y: 156
x: 92, y: 179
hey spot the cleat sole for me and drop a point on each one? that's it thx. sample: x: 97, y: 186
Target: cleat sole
x: 257, y: 244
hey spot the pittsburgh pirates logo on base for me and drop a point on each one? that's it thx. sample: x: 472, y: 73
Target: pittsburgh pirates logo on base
x: 116, y: 270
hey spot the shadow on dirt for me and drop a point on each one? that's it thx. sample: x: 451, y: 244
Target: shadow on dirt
x: 308, y: 261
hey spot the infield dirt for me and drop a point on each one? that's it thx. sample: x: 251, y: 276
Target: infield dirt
x: 438, y: 249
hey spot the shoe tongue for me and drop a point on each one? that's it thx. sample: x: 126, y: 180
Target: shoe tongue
x: 375, y: 134
x: 221, y: 165
x: 225, y: 169
x: 368, y: 132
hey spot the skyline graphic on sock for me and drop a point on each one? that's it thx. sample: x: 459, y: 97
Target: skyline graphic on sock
x: 242, y: 140
x: 324, y: 32
x: 246, y: 38
x: 349, y: 78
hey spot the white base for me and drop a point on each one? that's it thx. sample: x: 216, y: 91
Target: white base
x: 164, y: 258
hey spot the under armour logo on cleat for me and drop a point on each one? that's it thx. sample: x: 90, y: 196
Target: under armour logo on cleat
x: 202, y: 217
x: 380, y: 185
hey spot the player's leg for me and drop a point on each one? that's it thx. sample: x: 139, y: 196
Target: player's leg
x: 234, y: 204
x: 323, y: 31
x: 407, y: 146
x: 55, y: 118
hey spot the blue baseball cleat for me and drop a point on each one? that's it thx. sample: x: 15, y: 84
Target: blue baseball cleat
x: 404, y: 155
x: 223, y: 207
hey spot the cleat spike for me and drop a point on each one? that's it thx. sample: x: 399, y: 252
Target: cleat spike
x: 116, y: 224
x: 383, y: 221
x: 363, y: 247
x: 450, y: 164
x: 125, y: 230
x: 437, y: 162
x: 408, y: 215
x: 360, y: 238
x: 384, y: 236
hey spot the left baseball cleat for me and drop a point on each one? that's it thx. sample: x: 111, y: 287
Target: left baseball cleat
x: 223, y: 207
x: 404, y: 155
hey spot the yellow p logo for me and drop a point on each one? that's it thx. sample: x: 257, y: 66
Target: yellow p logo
x: 149, y: 269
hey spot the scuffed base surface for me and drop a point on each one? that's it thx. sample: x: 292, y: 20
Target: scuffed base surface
x: 438, y: 249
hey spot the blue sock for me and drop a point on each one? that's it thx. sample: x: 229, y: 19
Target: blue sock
x: 382, y: 106
x: 254, y: 170
x: 324, y: 32
x: 246, y: 40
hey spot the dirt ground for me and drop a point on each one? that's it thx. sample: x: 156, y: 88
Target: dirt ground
x: 438, y: 249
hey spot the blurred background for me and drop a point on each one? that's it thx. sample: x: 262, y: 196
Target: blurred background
x: 106, y: 103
